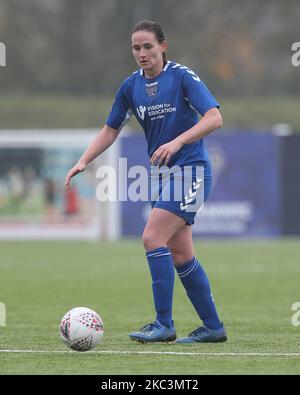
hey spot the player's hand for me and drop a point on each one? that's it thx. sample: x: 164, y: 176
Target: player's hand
x: 163, y: 154
x: 78, y: 168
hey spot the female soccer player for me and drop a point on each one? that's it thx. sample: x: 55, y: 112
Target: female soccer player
x: 166, y: 98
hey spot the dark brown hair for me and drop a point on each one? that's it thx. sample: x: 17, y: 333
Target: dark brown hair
x: 153, y: 27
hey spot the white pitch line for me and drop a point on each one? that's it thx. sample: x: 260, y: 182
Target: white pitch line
x: 222, y: 354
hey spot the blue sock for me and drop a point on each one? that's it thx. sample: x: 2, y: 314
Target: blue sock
x: 196, y: 284
x: 162, y: 271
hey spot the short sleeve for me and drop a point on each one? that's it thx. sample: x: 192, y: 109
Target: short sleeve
x: 120, y: 112
x: 197, y: 94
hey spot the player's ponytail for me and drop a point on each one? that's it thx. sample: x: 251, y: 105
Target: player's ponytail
x: 153, y: 27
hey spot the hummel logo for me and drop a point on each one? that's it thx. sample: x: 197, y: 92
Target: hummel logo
x: 195, y: 77
x: 188, y: 199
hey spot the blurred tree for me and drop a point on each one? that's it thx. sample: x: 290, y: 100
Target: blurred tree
x: 83, y: 46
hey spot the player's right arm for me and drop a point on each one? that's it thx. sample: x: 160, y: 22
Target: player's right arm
x: 117, y: 118
x: 102, y: 141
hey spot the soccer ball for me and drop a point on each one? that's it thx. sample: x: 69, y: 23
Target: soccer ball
x: 81, y: 329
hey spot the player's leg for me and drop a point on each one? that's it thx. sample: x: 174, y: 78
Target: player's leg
x: 160, y: 227
x: 197, y: 286
x: 181, y: 245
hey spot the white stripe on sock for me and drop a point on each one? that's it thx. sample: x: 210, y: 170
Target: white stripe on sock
x: 155, y: 255
x: 189, y: 270
x: 186, y: 270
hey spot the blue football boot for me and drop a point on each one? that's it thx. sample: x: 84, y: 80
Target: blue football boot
x: 204, y: 335
x: 154, y: 332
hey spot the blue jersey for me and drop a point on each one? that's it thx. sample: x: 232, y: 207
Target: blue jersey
x: 165, y: 107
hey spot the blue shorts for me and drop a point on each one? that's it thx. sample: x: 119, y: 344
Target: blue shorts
x: 182, y: 192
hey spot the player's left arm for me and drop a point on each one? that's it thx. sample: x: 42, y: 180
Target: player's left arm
x: 210, y: 121
x: 200, y: 98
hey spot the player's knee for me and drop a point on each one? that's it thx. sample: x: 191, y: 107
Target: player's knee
x: 149, y: 241
x: 176, y: 257
x: 152, y: 240
x: 180, y: 258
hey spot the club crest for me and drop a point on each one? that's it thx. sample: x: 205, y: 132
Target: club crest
x: 151, y: 89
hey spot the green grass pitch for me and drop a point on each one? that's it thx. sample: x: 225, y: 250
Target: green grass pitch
x: 254, y: 284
